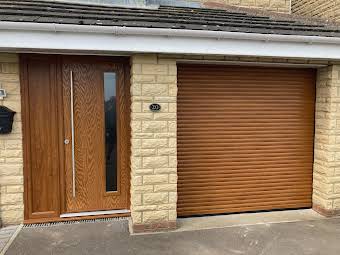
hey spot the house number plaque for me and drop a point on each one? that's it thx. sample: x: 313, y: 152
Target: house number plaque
x: 155, y: 107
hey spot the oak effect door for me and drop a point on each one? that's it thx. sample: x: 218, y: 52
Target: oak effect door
x: 96, y: 128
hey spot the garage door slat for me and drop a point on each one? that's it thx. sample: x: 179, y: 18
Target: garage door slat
x: 247, y: 185
x: 245, y: 138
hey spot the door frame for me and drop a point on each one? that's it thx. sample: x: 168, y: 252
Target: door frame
x: 27, y: 142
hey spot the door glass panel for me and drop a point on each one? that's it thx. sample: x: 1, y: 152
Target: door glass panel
x: 110, y: 131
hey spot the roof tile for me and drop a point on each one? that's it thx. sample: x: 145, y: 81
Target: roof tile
x: 163, y: 17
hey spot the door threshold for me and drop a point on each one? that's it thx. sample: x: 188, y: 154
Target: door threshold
x: 93, y: 217
x: 95, y: 213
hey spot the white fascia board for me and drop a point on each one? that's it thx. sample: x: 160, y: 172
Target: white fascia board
x: 77, y: 38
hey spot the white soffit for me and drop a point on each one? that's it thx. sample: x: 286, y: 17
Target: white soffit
x: 18, y: 37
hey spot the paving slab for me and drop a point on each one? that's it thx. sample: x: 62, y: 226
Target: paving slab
x: 300, y: 238
x: 243, y: 219
x: 6, y: 234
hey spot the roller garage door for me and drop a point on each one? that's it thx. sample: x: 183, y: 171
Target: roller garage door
x: 245, y: 138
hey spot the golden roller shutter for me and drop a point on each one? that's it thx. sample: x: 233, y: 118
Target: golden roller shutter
x: 245, y: 138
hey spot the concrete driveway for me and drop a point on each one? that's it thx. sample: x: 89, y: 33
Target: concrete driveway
x: 310, y: 237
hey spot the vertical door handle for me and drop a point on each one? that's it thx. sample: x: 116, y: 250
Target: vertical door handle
x: 72, y: 136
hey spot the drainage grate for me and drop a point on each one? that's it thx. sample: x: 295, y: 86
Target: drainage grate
x: 60, y: 223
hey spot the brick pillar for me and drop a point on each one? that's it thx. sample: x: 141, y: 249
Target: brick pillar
x: 154, y: 152
x: 11, y: 161
x: 326, y: 195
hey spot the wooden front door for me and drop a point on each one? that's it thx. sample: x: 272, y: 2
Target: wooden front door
x: 77, y: 134
x: 96, y: 134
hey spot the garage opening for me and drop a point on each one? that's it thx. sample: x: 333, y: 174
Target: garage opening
x: 245, y: 138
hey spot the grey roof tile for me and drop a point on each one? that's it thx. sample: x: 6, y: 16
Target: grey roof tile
x: 163, y: 17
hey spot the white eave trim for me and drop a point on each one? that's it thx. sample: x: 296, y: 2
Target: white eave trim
x: 22, y: 36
